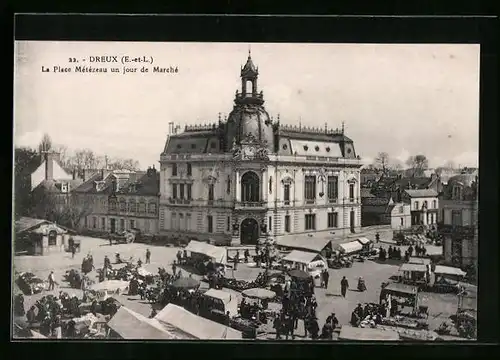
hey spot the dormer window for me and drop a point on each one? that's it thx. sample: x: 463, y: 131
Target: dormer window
x: 327, y: 149
x: 457, y: 193
x: 306, y: 147
x: 316, y: 148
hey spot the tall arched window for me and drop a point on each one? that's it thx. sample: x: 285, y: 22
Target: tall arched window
x: 250, y: 187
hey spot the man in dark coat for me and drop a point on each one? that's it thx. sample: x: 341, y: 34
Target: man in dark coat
x: 410, y: 250
x: 30, y: 315
x: 277, y: 325
x: 326, y: 278
x: 174, y: 268
x: 314, y: 328
x: 73, y: 250
x: 148, y: 256
x: 344, y: 285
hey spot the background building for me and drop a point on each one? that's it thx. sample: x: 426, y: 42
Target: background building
x: 460, y: 208
x: 114, y: 201
x: 249, y: 176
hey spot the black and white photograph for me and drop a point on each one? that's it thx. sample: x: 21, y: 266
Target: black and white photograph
x: 245, y: 191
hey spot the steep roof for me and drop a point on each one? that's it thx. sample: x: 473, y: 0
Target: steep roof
x: 28, y: 223
x: 421, y: 193
x: 366, y: 193
x: 142, y: 183
x: 88, y: 186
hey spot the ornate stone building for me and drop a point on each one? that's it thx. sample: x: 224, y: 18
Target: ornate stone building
x: 248, y: 177
x: 459, y: 226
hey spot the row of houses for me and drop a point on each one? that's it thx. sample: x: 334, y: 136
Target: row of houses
x: 101, y: 201
x: 448, y: 203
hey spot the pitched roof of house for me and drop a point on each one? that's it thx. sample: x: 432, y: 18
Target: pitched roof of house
x: 421, y: 193
x: 27, y: 223
x: 88, y: 186
x: 55, y: 186
x: 143, y: 183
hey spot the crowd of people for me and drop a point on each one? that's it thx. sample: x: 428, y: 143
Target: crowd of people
x: 370, y: 315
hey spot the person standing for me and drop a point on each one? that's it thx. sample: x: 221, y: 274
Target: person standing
x: 246, y: 254
x: 344, y: 285
x: 174, y: 268
x: 236, y: 260
x: 31, y: 315
x: 327, y: 278
x: 73, y: 251
x: 277, y: 326
x: 52, y: 281
x: 148, y: 256
x: 410, y: 250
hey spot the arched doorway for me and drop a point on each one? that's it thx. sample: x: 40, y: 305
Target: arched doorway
x: 250, y: 187
x: 249, y: 232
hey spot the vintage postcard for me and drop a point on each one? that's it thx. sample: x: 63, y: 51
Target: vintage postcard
x: 213, y: 191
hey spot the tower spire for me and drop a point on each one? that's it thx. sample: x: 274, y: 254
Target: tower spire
x: 249, y: 51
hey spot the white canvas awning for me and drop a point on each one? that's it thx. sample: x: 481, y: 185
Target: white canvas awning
x: 131, y: 325
x: 350, y: 247
x: 419, y: 260
x: 348, y: 332
x: 217, y: 253
x: 177, y: 319
x: 303, y: 242
x: 413, y: 267
x: 301, y: 257
x: 448, y: 270
x: 364, y: 240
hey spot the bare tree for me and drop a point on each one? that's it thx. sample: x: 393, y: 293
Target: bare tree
x: 418, y: 164
x: 64, y: 155
x: 65, y: 209
x: 45, y: 143
x: 123, y: 164
x: 382, y: 161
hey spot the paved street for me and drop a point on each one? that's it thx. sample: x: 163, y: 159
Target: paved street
x: 441, y: 306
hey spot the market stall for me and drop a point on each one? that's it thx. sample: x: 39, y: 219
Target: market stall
x: 367, y: 245
x: 180, y: 321
x: 398, y: 296
x: 317, y: 245
x: 312, y: 263
x: 350, y: 333
x: 350, y: 248
x: 419, y: 260
x: 127, y: 324
x: 414, y: 274
x: 221, y: 301
x: 200, y: 253
x: 447, y: 279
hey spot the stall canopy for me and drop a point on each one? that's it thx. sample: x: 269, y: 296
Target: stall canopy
x: 230, y: 301
x: 367, y: 334
x: 448, y: 270
x: 364, y: 240
x: 401, y: 288
x: 214, y: 252
x: 131, y: 325
x: 419, y: 260
x: 178, y: 320
x: 413, y: 267
x: 350, y: 247
x: 315, y: 244
x: 432, y: 250
x: 302, y: 257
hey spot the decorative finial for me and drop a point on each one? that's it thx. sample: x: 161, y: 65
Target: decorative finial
x: 326, y: 128
x: 219, y: 117
x: 342, y: 128
x: 249, y: 51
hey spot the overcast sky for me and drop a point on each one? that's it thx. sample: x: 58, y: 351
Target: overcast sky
x: 401, y: 99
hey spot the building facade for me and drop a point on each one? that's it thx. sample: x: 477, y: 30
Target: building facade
x: 424, y: 206
x: 460, y: 208
x: 120, y: 200
x: 249, y: 177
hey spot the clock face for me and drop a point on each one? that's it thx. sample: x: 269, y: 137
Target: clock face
x: 249, y: 151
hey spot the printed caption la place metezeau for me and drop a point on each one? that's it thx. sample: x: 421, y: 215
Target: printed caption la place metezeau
x: 124, y: 64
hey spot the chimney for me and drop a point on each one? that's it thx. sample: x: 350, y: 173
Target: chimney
x: 49, y: 165
x: 74, y: 174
